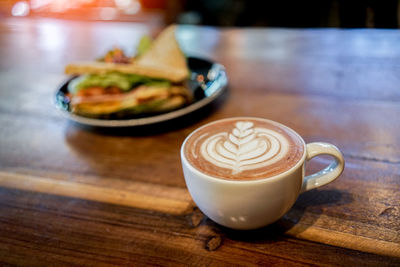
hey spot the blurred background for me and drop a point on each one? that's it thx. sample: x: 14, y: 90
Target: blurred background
x: 241, y: 13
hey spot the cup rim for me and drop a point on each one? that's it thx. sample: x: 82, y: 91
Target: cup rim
x: 186, y: 162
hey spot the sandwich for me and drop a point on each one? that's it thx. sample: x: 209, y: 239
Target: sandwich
x: 153, y: 81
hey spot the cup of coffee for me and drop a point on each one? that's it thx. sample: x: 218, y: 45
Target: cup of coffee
x: 245, y: 173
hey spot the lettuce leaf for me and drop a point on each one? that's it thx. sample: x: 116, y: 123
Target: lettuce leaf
x: 121, y: 80
x: 144, y: 45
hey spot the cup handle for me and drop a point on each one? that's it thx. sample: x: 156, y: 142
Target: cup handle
x: 328, y: 174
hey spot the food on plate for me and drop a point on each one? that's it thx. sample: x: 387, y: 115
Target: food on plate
x: 153, y: 81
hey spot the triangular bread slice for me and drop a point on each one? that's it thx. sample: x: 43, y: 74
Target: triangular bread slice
x: 163, y: 60
x: 165, y: 55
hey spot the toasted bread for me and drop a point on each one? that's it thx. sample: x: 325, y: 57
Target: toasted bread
x: 163, y: 60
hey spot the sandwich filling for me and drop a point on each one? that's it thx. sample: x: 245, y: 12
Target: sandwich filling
x: 96, y: 94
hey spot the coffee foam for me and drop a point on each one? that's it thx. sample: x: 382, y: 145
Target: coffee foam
x: 243, y: 149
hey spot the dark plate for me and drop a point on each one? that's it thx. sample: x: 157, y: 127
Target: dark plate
x: 208, y: 80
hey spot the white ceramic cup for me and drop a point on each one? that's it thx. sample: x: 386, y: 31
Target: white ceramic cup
x: 251, y: 204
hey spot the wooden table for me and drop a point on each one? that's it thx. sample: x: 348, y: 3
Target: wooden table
x: 77, y: 195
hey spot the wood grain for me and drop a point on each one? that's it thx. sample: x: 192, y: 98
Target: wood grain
x: 99, y: 193
x: 76, y: 195
x: 353, y: 233
x: 84, y: 232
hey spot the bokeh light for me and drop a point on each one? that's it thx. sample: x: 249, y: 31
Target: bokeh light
x: 20, y: 9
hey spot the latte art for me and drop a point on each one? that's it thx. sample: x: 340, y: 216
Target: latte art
x: 245, y: 148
